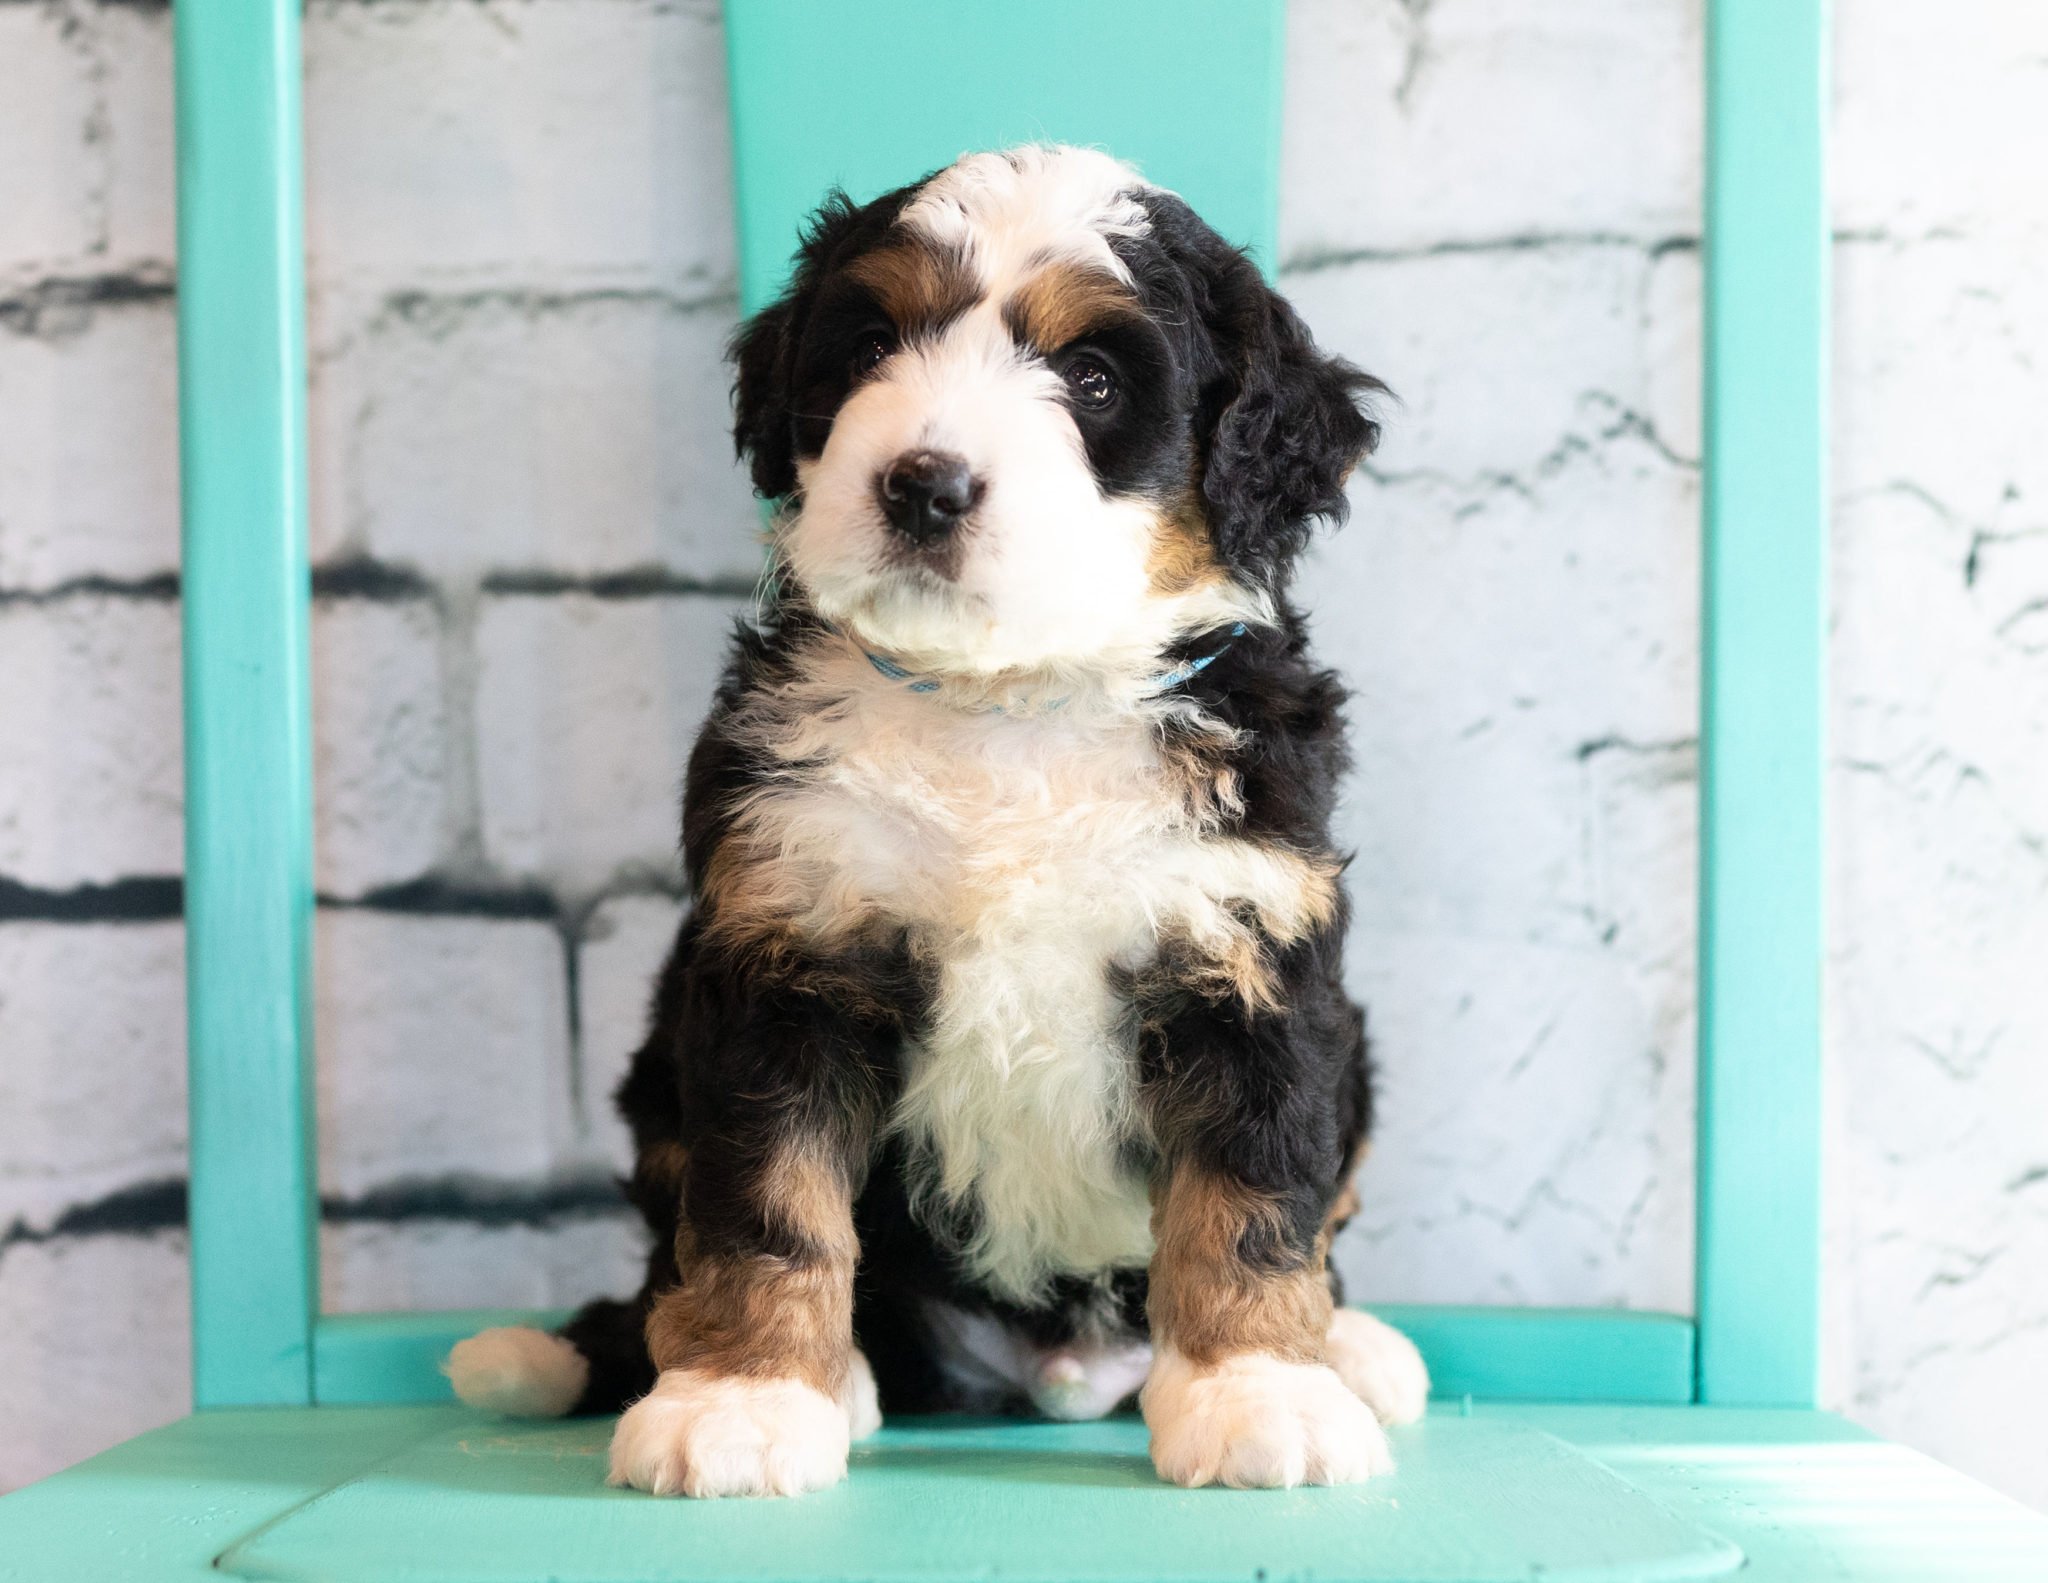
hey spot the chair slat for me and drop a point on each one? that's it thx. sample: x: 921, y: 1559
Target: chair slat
x: 1764, y: 626
x: 248, y: 762
x: 870, y: 96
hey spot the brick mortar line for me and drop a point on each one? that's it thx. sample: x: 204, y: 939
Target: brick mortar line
x: 24, y: 302
x: 159, y: 898
x: 146, y: 1208
x: 360, y: 578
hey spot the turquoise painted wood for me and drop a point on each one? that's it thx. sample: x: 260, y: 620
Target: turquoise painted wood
x: 362, y: 1494
x: 359, y: 1358
x: 1551, y: 1354
x: 248, y: 758
x: 1049, y: 1500
x: 1507, y: 1354
x: 1764, y: 624
x: 1201, y: 114
x: 873, y: 95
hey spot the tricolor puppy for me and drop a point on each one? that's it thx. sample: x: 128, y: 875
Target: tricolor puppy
x: 1004, y: 1058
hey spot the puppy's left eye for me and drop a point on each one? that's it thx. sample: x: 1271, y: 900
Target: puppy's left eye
x: 1090, y: 383
x: 870, y: 353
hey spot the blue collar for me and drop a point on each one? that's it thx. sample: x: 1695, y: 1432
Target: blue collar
x: 1164, y: 682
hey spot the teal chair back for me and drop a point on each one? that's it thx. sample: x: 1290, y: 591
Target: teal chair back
x: 1191, y: 90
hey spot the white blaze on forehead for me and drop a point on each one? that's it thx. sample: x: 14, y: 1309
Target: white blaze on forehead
x: 1014, y: 211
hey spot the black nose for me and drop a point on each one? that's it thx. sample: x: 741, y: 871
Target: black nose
x: 924, y: 494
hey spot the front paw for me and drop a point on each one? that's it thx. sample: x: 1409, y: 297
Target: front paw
x: 704, y: 1435
x: 1382, y: 1366
x: 1254, y: 1422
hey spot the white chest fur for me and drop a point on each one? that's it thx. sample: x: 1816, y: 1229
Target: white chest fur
x: 1030, y: 856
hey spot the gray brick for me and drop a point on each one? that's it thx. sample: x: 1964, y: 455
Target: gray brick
x: 133, y: 43
x: 1932, y: 121
x: 586, y: 712
x: 1410, y: 126
x: 89, y: 475
x: 1939, y: 352
x: 444, y: 1048
x: 577, y: 431
x: 382, y: 808
x: 551, y: 139
x: 444, y: 1264
x: 91, y: 688
x: 1566, y: 358
x: 49, y: 184
x: 92, y: 1088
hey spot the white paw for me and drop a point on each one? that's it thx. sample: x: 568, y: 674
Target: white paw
x: 1380, y: 1365
x: 518, y: 1371
x: 1255, y: 1422
x: 1085, y: 1381
x: 863, y: 1406
x: 703, y: 1434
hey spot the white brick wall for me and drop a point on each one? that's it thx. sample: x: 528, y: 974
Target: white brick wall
x: 89, y: 474
x: 92, y: 1084
x: 89, y: 714
x: 586, y: 711
x: 531, y: 536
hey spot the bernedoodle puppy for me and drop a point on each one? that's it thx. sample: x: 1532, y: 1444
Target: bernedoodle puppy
x: 1003, y: 1059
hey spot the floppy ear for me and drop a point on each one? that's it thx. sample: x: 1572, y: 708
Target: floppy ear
x: 764, y: 350
x: 1285, y: 424
x: 763, y: 430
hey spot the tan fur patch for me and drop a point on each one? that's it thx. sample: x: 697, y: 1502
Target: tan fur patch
x: 769, y: 1316
x: 1206, y: 1301
x: 1343, y: 1209
x: 919, y: 284
x: 1223, y: 955
x: 1062, y: 303
x: 660, y: 1168
x: 1182, y: 558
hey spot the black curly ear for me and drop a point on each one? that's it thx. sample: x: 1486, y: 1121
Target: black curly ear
x: 1288, y: 425
x: 764, y: 351
x: 762, y: 426
x: 1278, y: 425
x: 763, y: 432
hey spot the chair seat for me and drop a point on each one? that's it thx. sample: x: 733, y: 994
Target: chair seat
x: 1484, y: 1492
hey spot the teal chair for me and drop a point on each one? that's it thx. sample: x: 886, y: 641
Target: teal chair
x: 1574, y: 1444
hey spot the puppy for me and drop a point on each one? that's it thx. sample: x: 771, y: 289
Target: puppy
x: 1007, y: 1032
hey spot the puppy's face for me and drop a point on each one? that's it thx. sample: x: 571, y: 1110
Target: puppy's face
x: 1032, y: 413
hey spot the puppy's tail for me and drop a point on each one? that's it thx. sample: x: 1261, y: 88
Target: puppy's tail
x: 596, y: 1363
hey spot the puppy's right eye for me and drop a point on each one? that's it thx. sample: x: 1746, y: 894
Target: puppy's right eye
x: 869, y: 354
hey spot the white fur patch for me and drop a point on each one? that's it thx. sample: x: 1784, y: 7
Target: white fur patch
x: 1082, y: 1380
x: 1013, y: 211
x: 860, y: 1399
x: 1380, y: 1365
x: 1254, y: 1422
x: 518, y: 1371
x: 704, y: 1435
x: 1028, y: 858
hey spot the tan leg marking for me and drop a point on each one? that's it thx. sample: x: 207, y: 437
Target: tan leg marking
x: 760, y: 1315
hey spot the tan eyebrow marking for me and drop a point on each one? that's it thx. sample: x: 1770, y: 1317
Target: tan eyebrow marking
x: 1063, y: 302
x: 919, y: 285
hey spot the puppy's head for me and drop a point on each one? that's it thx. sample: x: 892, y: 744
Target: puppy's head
x: 1031, y: 412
